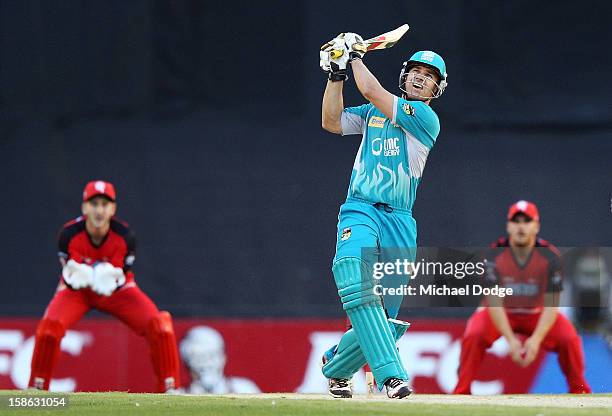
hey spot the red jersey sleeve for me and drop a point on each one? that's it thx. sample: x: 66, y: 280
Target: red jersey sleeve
x: 65, y: 235
x: 495, y: 249
x: 129, y: 256
x: 555, y: 269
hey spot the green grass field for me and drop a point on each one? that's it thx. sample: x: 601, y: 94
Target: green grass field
x: 116, y: 404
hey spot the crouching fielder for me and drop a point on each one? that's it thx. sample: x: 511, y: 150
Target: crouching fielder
x: 397, y: 134
x: 97, y: 253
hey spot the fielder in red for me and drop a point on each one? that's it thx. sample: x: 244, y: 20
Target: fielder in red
x: 97, y: 253
x: 532, y: 268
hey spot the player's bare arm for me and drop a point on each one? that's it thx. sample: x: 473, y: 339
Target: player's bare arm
x: 371, y: 89
x: 546, y: 321
x: 501, y: 322
x: 332, y: 107
x: 335, y: 68
x: 549, y: 314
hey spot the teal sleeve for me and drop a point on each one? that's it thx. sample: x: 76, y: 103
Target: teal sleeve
x: 418, y: 119
x: 353, y: 119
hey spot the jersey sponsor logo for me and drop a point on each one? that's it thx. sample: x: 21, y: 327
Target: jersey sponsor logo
x: 408, y: 109
x: 388, y: 147
x: 377, y: 146
x: 523, y: 289
x: 346, y: 234
x: 378, y: 122
x: 391, y: 147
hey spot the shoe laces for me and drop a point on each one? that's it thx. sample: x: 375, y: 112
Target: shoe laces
x: 340, y: 382
x: 394, y: 382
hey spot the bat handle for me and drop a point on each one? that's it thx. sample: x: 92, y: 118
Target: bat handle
x: 361, y: 47
x: 336, y: 54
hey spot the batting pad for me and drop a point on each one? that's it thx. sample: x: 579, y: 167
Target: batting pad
x: 364, y: 309
x: 349, y: 358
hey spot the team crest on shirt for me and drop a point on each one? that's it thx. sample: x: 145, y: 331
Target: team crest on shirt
x: 408, y: 109
x: 378, y: 122
x: 346, y: 234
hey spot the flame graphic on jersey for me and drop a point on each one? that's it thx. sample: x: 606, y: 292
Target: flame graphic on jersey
x: 395, y: 190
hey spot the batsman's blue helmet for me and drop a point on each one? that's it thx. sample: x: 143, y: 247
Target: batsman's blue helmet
x: 430, y: 59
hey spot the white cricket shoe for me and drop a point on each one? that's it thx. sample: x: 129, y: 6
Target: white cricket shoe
x: 340, y: 388
x: 397, y: 389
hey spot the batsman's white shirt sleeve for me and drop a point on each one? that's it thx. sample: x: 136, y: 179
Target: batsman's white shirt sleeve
x: 353, y: 119
x: 351, y: 124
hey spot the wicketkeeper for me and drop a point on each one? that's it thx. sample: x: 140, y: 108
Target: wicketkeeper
x: 96, y: 252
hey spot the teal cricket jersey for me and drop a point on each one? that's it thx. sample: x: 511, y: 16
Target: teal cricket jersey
x: 392, y: 155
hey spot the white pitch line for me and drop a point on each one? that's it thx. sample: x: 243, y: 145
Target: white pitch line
x: 526, y: 400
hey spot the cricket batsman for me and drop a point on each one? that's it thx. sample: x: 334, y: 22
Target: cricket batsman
x: 96, y: 252
x: 532, y: 268
x: 397, y: 134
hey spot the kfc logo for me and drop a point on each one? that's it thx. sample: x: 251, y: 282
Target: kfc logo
x: 16, y: 356
x: 433, y: 355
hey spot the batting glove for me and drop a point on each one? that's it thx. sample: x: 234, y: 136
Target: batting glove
x: 107, y: 278
x: 333, y: 58
x: 355, y: 45
x: 77, y: 275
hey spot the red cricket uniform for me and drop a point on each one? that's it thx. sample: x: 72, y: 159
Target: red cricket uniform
x: 128, y: 303
x: 117, y: 248
x: 540, y: 274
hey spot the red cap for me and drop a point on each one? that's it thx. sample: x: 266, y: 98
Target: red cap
x: 95, y: 188
x: 526, y: 208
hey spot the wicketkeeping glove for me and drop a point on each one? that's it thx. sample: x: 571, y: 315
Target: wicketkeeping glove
x: 77, y: 275
x: 106, y: 278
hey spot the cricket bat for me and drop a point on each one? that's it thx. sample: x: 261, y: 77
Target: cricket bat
x: 384, y: 41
